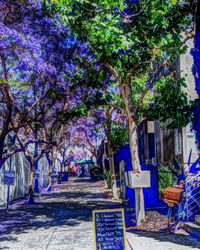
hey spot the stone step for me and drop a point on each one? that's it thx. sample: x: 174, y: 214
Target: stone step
x: 192, y: 228
x: 197, y: 219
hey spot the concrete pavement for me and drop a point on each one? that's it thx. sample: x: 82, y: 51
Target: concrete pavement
x: 161, y: 241
x: 62, y: 220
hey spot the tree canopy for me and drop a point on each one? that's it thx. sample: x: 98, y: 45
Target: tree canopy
x: 64, y: 61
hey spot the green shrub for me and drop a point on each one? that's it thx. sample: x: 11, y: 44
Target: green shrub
x: 165, y: 179
x: 107, y: 178
x: 95, y: 172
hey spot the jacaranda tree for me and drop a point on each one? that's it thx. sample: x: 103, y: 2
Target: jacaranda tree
x: 38, y: 88
x: 133, y: 41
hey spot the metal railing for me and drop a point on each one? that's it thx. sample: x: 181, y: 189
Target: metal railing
x: 192, y: 186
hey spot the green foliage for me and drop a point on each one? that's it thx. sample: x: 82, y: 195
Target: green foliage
x: 132, y: 43
x: 171, y: 105
x: 168, y: 175
x: 135, y: 45
x: 95, y: 172
x: 165, y: 179
x: 65, y: 116
x: 107, y: 178
x: 122, y: 40
x: 119, y: 136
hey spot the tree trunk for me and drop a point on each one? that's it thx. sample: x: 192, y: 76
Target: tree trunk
x: 103, y: 163
x: 139, y: 197
x: 36, y: 188
x: 133, y: 140
x: 9, y: 106
x: 2, y: 161
x: 50, y: 163
x: 50, y: 172
x: 111, y: 155
x: 60, y: 174
x: 31, y: 185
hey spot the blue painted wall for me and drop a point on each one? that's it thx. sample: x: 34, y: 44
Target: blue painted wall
x: 151, y: 195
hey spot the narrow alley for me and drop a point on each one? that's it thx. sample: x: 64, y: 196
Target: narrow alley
x: 61, y: 219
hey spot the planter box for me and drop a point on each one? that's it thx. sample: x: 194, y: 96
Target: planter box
x: 173, y: 194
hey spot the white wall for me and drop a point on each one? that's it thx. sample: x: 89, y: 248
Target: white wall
x: 20, y: 187
x: 20, y: 165
x: 188, y: 136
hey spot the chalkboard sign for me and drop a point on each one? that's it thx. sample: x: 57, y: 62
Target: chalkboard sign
x: 9, y: 177
x: 109, y: 229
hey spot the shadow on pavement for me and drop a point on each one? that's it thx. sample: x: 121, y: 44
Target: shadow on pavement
x: 83, y: 179
x: 164, y: 236
x: 67, y: 209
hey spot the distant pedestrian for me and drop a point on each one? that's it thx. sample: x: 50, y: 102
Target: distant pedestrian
x: 86, y: 170
x: 73, y: 171
x: 77, y: 170
x: 82, y: 170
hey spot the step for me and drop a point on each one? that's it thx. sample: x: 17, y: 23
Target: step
x: 192, y: 228
x: 197, y: 219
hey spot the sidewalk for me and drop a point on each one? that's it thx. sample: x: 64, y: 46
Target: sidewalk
x: 62, y: 220
x: 161, y: 241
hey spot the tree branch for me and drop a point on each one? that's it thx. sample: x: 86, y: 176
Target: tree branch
x: 112, y: 71
x: 156, y: 75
